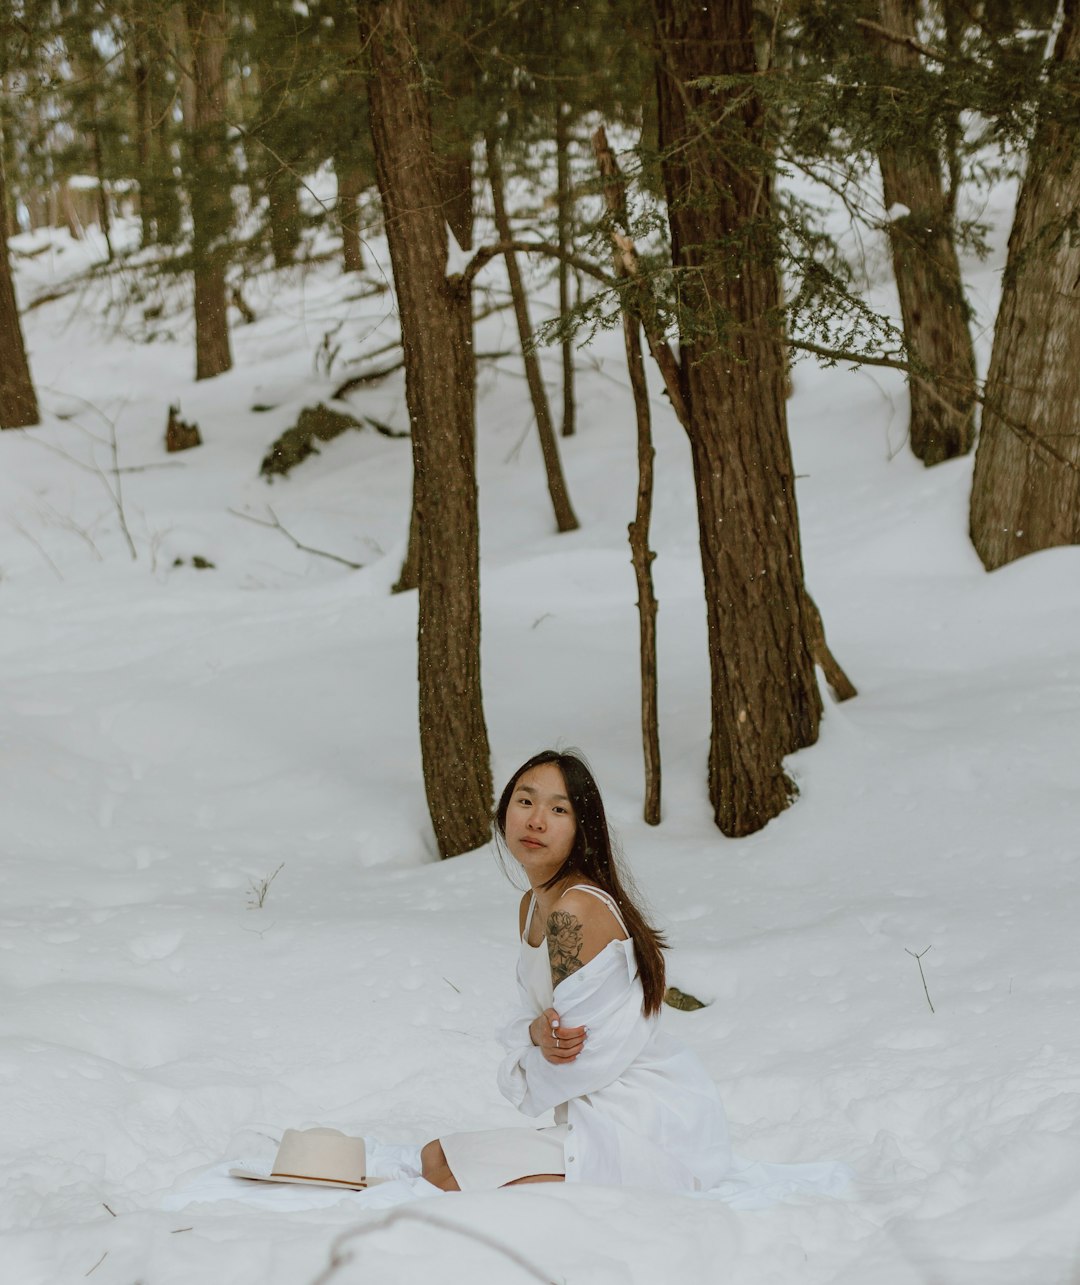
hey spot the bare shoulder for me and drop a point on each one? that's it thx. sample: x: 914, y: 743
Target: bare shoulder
x: 577, y: 930
x: 594, y: 914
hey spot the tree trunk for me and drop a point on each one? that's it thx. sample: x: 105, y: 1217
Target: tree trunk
x: 209, y: 187
x: 565, y: 215
x: 102, y: 192
x: 436, y: 329
x: 641, y: 555
x: 350, y: 185
x: 565, y: 518
x: 283, y: 212
x: 18, y: 402
x: 1026, y: 490
x: 138, y: 52
x: 932, y: 304
x: 765, y: 700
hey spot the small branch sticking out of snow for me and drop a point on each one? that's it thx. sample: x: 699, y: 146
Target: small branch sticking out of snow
x: 259, y: 888
x: 275, y: 525
x: 918, y: 960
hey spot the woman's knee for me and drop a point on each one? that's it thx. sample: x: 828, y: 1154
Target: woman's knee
x: 435, y: 1169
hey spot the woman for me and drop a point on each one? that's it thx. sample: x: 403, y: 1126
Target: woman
x: 632, y: 1106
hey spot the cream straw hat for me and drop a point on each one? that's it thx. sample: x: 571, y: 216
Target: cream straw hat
x: 319, y: 1157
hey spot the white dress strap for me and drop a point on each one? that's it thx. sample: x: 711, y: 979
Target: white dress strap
x: 606, y: 898
x: 528, y: 917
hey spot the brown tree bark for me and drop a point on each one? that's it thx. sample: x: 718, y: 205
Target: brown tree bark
x: 932, y: 304
x: 565, y: 216
x: 18, y: 401
x: 642, y: 558
x: 436, y: 328
x: 1026, y: 490
x: 764, y: 697
x: 565, y: 518
x: 208, y: 184
x: 638, y: 302
x: 352, y: 149
x: 350, y: 185
x: 283, y: 212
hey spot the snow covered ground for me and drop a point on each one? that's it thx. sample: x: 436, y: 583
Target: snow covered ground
x: 172, y: 737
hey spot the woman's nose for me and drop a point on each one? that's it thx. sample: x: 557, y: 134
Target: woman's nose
x: 536, y: 820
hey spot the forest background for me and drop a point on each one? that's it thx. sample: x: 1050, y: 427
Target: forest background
x: 209, y: 163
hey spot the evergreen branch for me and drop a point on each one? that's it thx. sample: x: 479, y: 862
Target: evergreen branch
x: 627, y: 265
x: 1022, y: 431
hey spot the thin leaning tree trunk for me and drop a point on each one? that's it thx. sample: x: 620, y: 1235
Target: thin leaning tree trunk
x: 565, y: 215
x: 1025, y: 493
x: 641, y: 555
x: 927, y: 271
x: 565, y: 518
x: 440, y: 385
x: 642, y: 558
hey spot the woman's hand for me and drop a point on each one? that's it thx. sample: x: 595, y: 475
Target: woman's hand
x: 557, y: 1043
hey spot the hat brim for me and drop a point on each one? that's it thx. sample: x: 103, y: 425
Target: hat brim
x: 307, y: 1182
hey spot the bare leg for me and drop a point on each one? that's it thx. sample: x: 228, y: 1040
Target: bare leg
x: 435, y: 1169
x: 536, y: 1177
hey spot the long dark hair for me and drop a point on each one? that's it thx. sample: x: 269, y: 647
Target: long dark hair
x: 593, y: 857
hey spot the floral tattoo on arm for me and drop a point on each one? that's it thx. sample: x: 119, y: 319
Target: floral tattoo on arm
x: 564, y: 941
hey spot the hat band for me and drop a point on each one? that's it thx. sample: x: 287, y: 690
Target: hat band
x: 311, y: 1177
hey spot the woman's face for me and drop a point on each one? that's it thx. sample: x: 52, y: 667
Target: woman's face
x: 540, y: 822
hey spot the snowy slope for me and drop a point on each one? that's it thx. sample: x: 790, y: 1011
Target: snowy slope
x: 171, y: 737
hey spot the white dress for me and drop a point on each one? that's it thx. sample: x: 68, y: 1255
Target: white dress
x: 635, y: 1107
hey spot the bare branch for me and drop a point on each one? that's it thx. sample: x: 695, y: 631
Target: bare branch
x: 897, y: 38
x: 39, y: 546
x: 918, y: 959
x: 117, y: 494
x: 275, y: 525
x: 340, y: 1255
x: 486, y: 253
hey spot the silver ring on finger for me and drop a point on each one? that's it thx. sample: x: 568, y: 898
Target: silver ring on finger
x: 558, y: 1042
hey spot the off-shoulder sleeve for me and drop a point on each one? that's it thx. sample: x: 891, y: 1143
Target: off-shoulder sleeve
x: 604, y: 996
